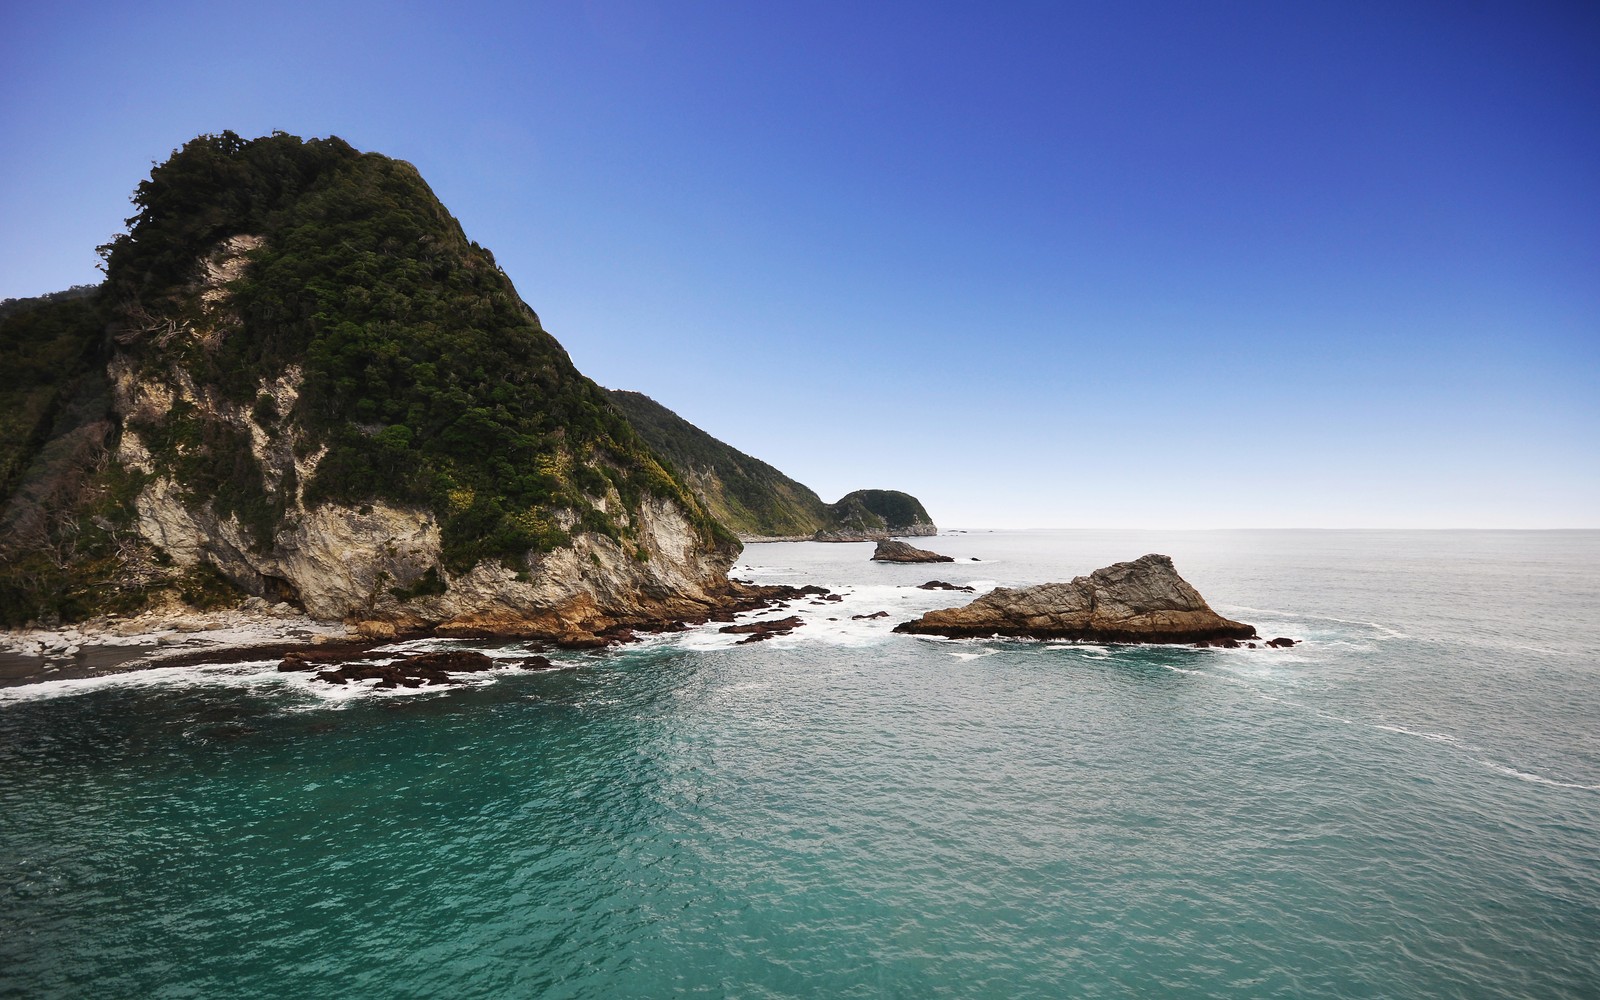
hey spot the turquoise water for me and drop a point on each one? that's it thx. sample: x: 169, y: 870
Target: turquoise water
x: 1407, y: 804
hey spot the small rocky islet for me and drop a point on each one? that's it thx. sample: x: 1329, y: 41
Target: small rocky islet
x: 890, y: 550
x: 1144, y: 600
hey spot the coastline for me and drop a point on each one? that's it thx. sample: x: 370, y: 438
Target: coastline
x: 104, y: 646
x: 256, y: 630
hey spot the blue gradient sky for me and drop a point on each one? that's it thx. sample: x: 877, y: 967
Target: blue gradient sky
x: 1096, y: 264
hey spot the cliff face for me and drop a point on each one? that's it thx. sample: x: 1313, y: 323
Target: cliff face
x: 321, y: 392
x: 1140, y: 601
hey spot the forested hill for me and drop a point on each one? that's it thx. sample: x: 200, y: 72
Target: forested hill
x: 755, y: 499
x: 295, y: 325
x: 745, y: 493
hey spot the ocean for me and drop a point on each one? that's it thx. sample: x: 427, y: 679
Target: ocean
x: 1407, y: 804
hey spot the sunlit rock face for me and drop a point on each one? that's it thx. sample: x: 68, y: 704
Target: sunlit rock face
x: 1140, y: 601
x: 893, y: 551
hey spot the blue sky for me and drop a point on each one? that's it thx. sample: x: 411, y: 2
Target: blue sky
x: 1067, y: 265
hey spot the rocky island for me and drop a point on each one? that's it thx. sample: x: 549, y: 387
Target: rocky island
x: 1140, y: 601
x: 900, y: 552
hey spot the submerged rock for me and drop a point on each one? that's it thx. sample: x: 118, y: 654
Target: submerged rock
x: 892, y: 551
x: 941, y: 585
x: 1140, y: 601
x: 760, y: 631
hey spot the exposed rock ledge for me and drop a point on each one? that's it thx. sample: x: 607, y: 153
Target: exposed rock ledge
x: 1140, y: 601
x: 892, y: 551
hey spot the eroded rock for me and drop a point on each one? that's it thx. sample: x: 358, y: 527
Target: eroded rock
x: 759, y: 631
x: 900, y: 552
x: 1140, y: 601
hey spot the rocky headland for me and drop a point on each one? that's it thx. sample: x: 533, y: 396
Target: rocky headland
x: 756, y: 501
x: 875, y: 515
x: 1140, y: 601
x: 901, y: 552
x: 302, y: 385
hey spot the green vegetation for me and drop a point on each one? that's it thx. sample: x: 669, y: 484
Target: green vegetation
x: 428, y: 380
x: 878, y: 510
x: 50, y: 348
x: 65, y: 512
x: 420, y: 372
x: 744, y: 493
x: 68, y: 536
x: 752, y: 497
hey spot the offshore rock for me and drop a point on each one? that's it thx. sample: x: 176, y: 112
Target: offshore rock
x: 892, y: 551
x: 761, y: 631
x: 1140, y: 601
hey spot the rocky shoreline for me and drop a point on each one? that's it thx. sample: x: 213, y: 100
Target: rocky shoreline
x: 258, y: 631
x: 1142, y: 601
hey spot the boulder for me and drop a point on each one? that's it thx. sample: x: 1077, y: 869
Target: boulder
x: 941, y: 585
x: 893, y: 551
x: 1140, y: 601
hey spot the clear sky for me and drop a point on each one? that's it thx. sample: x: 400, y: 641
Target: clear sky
x: 1061, y: 264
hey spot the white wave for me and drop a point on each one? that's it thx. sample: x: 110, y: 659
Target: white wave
x: 253, y: 672
x: 1535, y: 778
x: 1433, y: 737
x: 265, y: 674
x: 767, y: 570
x: 1387, y: 630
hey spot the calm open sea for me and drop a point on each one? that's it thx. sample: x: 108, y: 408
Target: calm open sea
x: 1405, y: 805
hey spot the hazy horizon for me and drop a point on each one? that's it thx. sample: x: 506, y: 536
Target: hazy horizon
x: 1147, y: 266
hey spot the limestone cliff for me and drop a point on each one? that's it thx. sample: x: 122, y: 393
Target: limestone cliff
x: 1140, y: 601
x: 322, y: 393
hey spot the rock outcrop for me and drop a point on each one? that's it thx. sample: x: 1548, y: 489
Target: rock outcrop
x: 764, y: 630
x: 1140, y: 601
x: 900, y: 552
